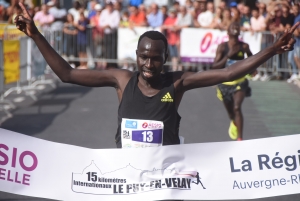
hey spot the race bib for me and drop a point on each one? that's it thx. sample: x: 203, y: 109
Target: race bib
x: 136, y: 133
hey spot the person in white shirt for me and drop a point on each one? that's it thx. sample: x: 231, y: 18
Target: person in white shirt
x: 206, y: 18
x: 59, y: 15
x: 57, y: 26
x: 109, y: 22
x: 257, y: 21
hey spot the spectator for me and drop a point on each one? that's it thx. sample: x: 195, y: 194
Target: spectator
x: 59, y: 15
x: 43, y: 18
x: 257, y: 21
x: 189, y: 5
x: 202, y: 6
x: 124, y: 22
x: 196, y: 11
x: 205, y: 18
x: 3, y: 13
x: 97, y: 33
x: 184, y: 20
x: 226, y: 19
x: 155, y: 18
x: 233, y: 7
x: 217, y: 20
x: 11, y: 9
x: 92, y: 11
x: 75, y: 11
x: 109, y: 22
x: 70, y: 38
x: 274, y: 19
x: 173, y: 37
x: 294, y: 56
x: 287, y: 19
x: 143, y: 9
x: 137, y: 17
x: 262, y: 9
x: 164, y: 11
x: 222, y: 4
x: 241, y: 6
x: 36, y: 9
x: 17, y: 11
x: 245, y: 19
x: 118, y: 6
x: 82, y: 40
x: 235, y: 15
x: 176, y: 6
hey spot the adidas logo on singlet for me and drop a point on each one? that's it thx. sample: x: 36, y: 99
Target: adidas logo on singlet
x: 167, y: 98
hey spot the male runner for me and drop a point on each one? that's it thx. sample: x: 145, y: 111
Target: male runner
x: 233, y: 93
x: 149, y: 94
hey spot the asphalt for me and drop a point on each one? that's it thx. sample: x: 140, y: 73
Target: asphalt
x: 87, y: 117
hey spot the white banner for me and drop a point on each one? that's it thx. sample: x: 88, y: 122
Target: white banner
x: 200, y: 45
x: 207, y: 171
x: 128, y: 40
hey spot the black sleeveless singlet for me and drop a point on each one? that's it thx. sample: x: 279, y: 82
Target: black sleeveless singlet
x: 160, y: 107
x: 240, y: 55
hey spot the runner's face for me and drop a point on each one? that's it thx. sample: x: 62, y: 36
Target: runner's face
x: 234, y: 30
x: 151, y: 57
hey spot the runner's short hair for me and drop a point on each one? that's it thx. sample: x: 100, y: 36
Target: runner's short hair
x: 154, y: 35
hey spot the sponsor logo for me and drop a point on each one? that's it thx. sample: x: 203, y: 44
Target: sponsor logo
x: 167, y: 98
x: 145, y: 125
x: 130, y: 124
x: 241, y: 54
x: 155, y: 125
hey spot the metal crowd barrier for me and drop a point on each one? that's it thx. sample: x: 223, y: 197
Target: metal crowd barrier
x: 22, y: 67
x: 96, y: 49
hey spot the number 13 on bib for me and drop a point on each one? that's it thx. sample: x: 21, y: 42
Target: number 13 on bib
x: 137, y: 133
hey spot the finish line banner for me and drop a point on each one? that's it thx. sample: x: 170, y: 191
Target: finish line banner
x: 207, y: 171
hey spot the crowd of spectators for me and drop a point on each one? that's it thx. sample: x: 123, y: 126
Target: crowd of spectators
x: 105, y: 16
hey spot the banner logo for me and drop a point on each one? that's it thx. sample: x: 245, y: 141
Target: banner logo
x: 17, y: 165
x: 93, y: 181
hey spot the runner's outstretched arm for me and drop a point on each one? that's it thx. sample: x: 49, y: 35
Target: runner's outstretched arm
x: 60, y: 67
x: 241, y: 68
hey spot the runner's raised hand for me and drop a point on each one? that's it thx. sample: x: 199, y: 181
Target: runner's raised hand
x: 286, y: 41
x: 24, y: 22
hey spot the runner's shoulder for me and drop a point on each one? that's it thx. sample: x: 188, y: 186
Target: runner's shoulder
x: 180, y: 75
x: 121, y: 73
x: 245, y: 45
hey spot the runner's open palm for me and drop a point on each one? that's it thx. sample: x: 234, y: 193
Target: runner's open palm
x: 24, y: 22
x: 286, y: 41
